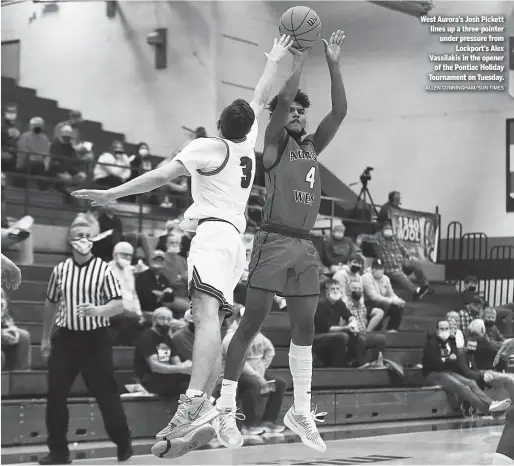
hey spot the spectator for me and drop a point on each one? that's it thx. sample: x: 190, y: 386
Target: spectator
x: 153, y: 288
x: 504, y: 313
x: 337, y: 249
x: 112, y: 168
x: 255, y: 381
x: 126, y: 327
x: 74, y: 122
x: 175, y: 271
x: 473, y: 310
x: 15, y: 342
x: 170, y: 226
x: 441, y: 367
x: 140, y: 162
x: 485, y: 349
x: 331, y: 339
x: 398, y: 264
x: 393, y: 202
x: 379, y: 294
x: 156, y: 362
x: 177, y: 190
x: 65, y: 162
x: 82, y: 295
x: 34, y: 152
x: 10, y: 136
x: 185, y: 337
x: 17, y: 234
x: 376, y: 343
x: 452, y: 318
x: 350, y: 273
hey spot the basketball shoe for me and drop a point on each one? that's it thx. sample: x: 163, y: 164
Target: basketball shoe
x: 304, y: 425
x: 226, y: 429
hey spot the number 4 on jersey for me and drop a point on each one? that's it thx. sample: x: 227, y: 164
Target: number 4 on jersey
x: 311, y: 177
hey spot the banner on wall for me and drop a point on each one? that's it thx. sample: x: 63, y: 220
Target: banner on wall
x: 417, y: 231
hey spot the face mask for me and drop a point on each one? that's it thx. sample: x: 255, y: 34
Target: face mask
x: 173, y: 249
x: 334, y: 296
x: 83, y: 246
x: 444, y: 335
x: 388, y: 234
x: 489, y: 323
x: 338, y: 236
x: 122, y: 262
x: 355, y: 268
x: 162, y: 329
x: 37, y: 129
x: 356, y: 295
x: 11, y: 116
x: 472, y: 288
x: 66, y: 139
x: 143, y: 152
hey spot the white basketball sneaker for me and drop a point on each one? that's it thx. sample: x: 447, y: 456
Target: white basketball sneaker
x: 226, y: 428
x: 304, y: 425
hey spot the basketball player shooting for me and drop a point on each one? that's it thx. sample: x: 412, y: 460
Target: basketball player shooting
x: 222, y: 171
x: 284, y: 260
x: 505, y: 450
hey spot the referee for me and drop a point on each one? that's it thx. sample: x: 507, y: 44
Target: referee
x: 82, y: 295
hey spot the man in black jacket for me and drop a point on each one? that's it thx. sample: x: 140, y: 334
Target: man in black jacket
x: 441, y: 366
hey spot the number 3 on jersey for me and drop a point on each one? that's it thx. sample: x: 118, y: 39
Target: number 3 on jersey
x: 247, y: 167
x: 311, y: 177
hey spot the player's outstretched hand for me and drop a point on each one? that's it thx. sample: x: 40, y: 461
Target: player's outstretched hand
x: 99, y: 197
x: 11, y: 274
x: 333, y: 47
x: 280, y: 48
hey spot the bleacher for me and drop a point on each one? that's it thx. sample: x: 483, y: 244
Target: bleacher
x: 349, y: 396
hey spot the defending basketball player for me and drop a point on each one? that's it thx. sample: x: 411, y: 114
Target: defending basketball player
x: 222, y: 170
x: 284, y: 260
x: 11, y: 274
x: 505, y: 450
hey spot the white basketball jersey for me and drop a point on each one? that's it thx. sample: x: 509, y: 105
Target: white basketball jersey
x: 222, y: 173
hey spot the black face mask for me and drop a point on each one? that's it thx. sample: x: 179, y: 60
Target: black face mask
x: 37, y: 129
x: 66, y: 139
x: 355, y: 268
x: 472, y: 288
x: 162, y: 329
x: 191, y: 327
x: 489, y: 323
x: 356, y: 295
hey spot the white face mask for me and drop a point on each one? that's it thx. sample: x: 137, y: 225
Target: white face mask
x: 335, y: 296
x: 143, y: 152
x: 122, y: 262
x: 444, y: 334
x: 83, y: 246
x: 173, y: 249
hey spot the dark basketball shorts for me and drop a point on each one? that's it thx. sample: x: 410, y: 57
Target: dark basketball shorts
x: 506, y: 444
x: 287, y: 265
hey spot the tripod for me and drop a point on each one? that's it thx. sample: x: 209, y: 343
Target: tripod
x: 364, y: 195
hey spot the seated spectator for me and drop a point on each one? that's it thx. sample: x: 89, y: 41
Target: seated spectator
x: 140, y: 162
x: 491, y: 330
x: 74, y: 122
x: 331, y: 339
x: 156, y: 362
x: 10, y: 136
x: 126, y: 327
x: 175, y: 271
x: 34, y: 152
x: 360, y: 326
x: 349, y: 273
x: 504, y: 313
x: 108, y: 220
x: 473, y: 310
x: 184, y: 338
x: 112, y: 168
x: 337, y: 249
x: 255, y: 381
x: 170, y: 226
x: 452, y: 318
x: 65, y: 163
x: 393, y: 202
x: 485, y: 350
x: 153, y: 288
x: 398, y: 264
x: 379, y: 294
x: 441, y: 367
x: 15, y: 342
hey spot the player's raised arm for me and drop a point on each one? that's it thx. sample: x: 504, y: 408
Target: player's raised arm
x: 262, y: 91
x: 192, y: 157
x: 331, y: 123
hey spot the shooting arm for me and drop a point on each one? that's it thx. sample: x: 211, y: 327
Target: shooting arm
x: 331, y: 123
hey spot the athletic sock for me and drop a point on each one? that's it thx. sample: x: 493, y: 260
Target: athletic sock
x: 227, y: 399
x: 300, y: 365
x: 194, y: 393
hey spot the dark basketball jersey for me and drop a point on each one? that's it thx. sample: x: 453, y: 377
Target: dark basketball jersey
x: 293, y: 188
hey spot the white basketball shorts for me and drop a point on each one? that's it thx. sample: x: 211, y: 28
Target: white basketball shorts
x: 216, y: 262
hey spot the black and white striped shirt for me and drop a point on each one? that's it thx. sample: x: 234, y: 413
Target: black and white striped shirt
x: 72, y: 284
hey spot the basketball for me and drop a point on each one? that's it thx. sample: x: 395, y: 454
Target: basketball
x: 302, y: 24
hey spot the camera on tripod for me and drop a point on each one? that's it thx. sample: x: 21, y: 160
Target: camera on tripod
x: 366, y: 175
